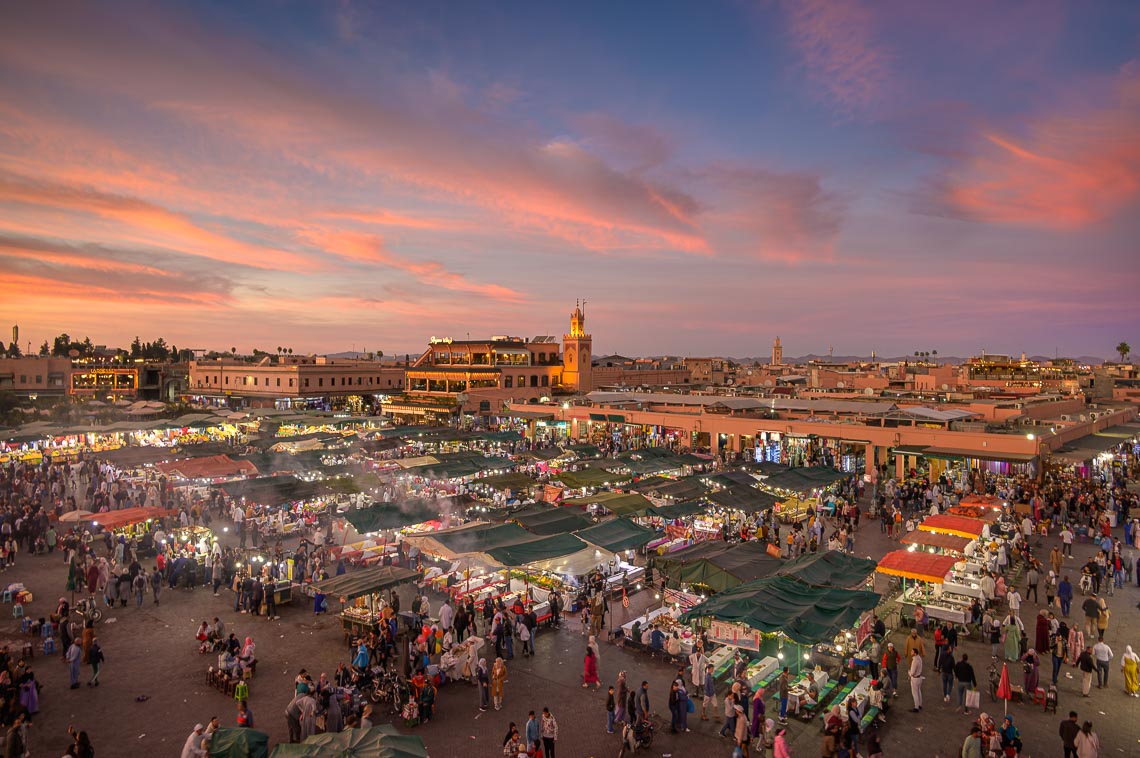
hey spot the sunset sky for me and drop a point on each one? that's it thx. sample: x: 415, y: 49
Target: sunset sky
x: 883, y: 175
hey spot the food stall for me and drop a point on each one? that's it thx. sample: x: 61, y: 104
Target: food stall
x: 960, y: 526
x: 360, y: 593
x: 927, y: 573
x: 938, y: 542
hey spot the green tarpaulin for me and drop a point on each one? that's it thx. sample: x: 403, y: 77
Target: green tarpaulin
x: 584, y: 451
x: 590, y: 477
x: 804, y: 479
x: 804, y: 613
x: 511, y: 481
x: 718, y: 566
x: 380, y: 516
x: 378, y: 742
x: 677, y: 510
x: 543, y: 549
x: 617, y: 534
x: 365, y: 581
x: 745, y: 499
x: 616, y: 503
x: 553, y: 520
x: 230, y: 742
x: 829, y: 568
x: 481, y: 538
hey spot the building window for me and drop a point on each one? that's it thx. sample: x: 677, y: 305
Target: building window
x: 508, y: 382
x: 360, y: 380
x: 545, y: 380
x: 267, y: 381
x: 23, y: 378
x: 533, y: 380
x: 227, y: 380
x: 320, y: 382
x: 290, y: 382
x: 306, y: 381
x: 542, y: 357
x: 278, y: 381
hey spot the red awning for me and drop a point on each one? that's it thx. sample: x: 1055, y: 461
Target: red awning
x: 963, y: 526
x: 950, y: 542
x: 210, y: 467
x: 127, y: 516
x: 926, y: 567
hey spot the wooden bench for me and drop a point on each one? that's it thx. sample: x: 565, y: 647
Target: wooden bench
x: 868, y: 718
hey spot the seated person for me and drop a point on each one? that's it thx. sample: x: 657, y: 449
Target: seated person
x: 673, y: 645
x: 656, y: 639
x: 646, y: 637
x: 228, y: 663
x: 811, y: 693
x: 635, y: 632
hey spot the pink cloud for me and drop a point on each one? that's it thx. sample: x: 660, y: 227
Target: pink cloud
x: 835, y: 40
x: 1070, y: 169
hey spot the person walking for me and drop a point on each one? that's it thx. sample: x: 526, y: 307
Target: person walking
x: 785, y: 681
x: 483, y: 678
x: 1087, y: 742
x: 549, y: 729
x: 946, y: 666
x: 1103, y: 614
x: 964, y: 673
x: 1091, y: 610
x: 192, y: 748
x: 611, y: 710
x: 1068, y: 731
x: 1130, y: 665
x: 1065, y: 595
x: 1058, y: 651
x: 95, y: 658
x: 73, y: 656
x: 590, y: 670
x: 498, y: 678
x: 1087, y: 664
x: 708, y: 687
x: 914, y: 645
x: 972, y: 745
x: 1103, y: 654
x: 916, y: 677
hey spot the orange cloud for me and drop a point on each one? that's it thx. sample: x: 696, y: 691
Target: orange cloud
x: 169, y: 229
x: 1069, y: 171
x: 370, y: 249
x: 835, y: 41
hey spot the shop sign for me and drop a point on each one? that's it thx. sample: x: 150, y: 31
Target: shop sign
x: 551, y: 494
x: 864, y: 631
x: 737, y: 635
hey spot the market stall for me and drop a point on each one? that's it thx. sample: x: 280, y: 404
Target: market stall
x: 923, y: 576
x: 717, y: 566
x: 829, y: 568
x: 960, y: 526
x: 937, y: 542
x: 360, y: 595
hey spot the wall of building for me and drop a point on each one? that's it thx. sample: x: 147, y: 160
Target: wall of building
x: 35, y: 375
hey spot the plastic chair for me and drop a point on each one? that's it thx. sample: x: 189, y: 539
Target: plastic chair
x: 49, y: 646
x: 7, y: 596
x: 48, y: 630
x: 17, y: 611
x: 1039, y: 696
x: 26, y: 626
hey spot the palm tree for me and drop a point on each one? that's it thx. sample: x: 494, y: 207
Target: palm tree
x: 1124, y: 349
x: 290, y: 351
x: 935, y: 354
x: 233, y: 350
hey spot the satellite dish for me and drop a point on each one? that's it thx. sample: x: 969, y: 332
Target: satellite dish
x: 945, y: 386
x: 869, y: 391
x: 840, y: 385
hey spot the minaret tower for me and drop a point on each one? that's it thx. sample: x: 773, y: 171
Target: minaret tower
x: 577, y: 353
x: 777, y: 353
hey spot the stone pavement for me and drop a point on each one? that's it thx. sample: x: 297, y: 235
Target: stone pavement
x: 151, y: 652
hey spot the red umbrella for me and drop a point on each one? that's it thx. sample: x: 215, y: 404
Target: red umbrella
x: 1004, y: 690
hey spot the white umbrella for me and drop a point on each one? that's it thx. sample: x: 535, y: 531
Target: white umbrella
x: 79, y: 515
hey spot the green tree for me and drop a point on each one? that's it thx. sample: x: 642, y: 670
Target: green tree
x: 45, y: 349
x: 1124, y: 349
x: 61, y: 345
x: 14, y: 350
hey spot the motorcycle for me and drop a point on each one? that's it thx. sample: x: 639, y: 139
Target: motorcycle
x: 636, y: 736
x: 88, y: 610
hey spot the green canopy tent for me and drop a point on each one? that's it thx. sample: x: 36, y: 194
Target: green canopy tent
x: 617, y: 503
x: 553, y: 520
x: 804, y: 613
x: 378, y: 742
x: 512, y: 481
x: 584, y: 450
x: 744, y: 499
x: 536, y: 550
x: 478, y: 539
x: 718, y: 566
x: 688, y: 488
x: 384, y: 515
x: 591, y: 477
x: 829, y: 568
x: 229, y: 742
x: 677, y: 510
x: 617, y: 534
x: 803, y: 479
x: 365, y: 581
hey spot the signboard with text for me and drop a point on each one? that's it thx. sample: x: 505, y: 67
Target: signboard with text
x: 736, y: 635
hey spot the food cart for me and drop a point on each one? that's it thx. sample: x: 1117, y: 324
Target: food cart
x: 927, y: 573
x: 360, y: 595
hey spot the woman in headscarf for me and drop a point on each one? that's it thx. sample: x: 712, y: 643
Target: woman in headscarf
x: 334, y: 718
x: 483, y: 678
x: 590, y: 670
x: 1130, y: 665
x: 248, y: 656
x: 780, y: 745
x: 758, y: 713
x: 1010, y: 736
x: 1012, y: 633
x: 1032, y: 671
